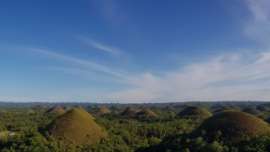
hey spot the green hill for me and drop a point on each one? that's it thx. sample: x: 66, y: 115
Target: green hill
x: 76, y: 126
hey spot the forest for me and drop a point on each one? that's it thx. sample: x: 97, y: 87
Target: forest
x: 170, y: 127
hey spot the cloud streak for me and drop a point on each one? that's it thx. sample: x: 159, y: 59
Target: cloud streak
x: 100, y: 46
x: 79, y: 63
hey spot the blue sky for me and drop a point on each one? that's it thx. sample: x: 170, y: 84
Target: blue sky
x: 134, y: 51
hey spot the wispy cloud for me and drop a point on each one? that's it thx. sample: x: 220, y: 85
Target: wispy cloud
x: 225, y: 77
x: 239, y: 76
x: 80, y: 63
x: 100, y: 46
x: 258, y: 27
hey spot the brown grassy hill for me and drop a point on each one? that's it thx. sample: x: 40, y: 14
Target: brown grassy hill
x: 195, y: 112
x: 251, y: 110
x: 76, y: 126
x: 234, y: 126
x: 263, y: 107
x: 56, y: 110
x: 226, y: 108
x: 146, y: 114
x: 129, y: 112
x: 103, y: 111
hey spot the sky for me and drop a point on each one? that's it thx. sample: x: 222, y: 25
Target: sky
x: 134, y: 50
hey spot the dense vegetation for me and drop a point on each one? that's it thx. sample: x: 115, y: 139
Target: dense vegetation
x: 136, y: 128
